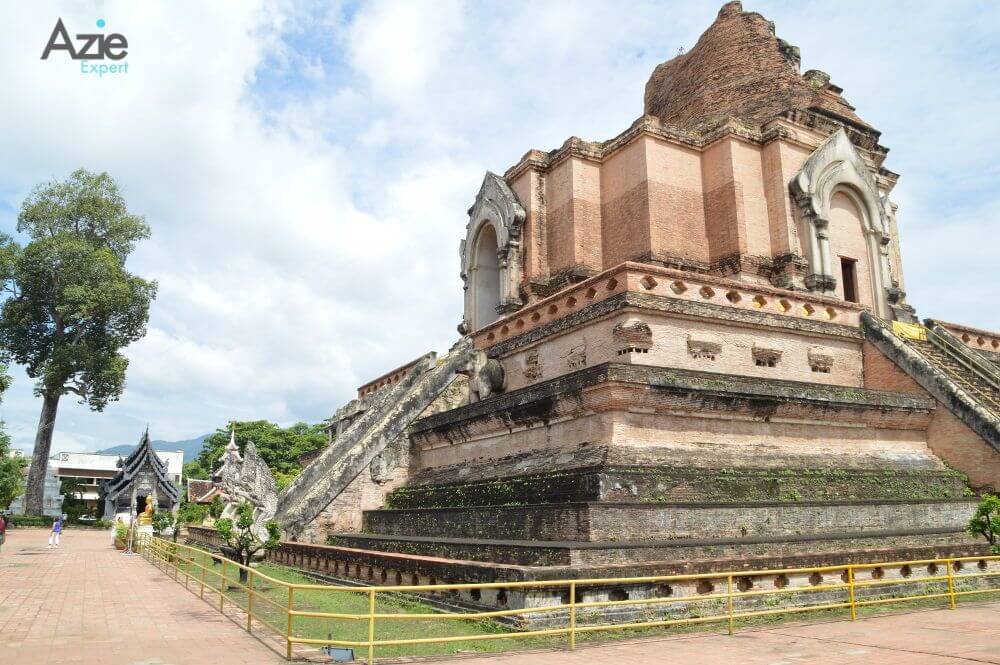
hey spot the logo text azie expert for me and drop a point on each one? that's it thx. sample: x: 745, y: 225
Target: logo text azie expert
x: 89, y: 47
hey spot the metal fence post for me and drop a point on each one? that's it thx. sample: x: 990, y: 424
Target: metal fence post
x: 249, y: 598
x: 850, y: 589
x: 201, y: 594
x: 951, y: 584
x: 729, y: 602
x: 572, y: 615
x: 371, y: 626
x: 288, y: 625
x: 222, y: 587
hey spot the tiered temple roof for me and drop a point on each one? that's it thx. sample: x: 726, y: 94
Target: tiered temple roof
x: 142, y: 457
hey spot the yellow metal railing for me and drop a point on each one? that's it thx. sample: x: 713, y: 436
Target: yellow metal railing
x: 189, y: 562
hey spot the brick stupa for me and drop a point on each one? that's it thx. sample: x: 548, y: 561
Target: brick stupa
x: 685, y: 348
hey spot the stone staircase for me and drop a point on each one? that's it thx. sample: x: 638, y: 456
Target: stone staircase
x: 387, y: 415
x: 963, y: 380
x: 961, y: 372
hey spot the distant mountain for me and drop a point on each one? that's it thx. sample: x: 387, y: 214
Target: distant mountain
x: 191, y: 447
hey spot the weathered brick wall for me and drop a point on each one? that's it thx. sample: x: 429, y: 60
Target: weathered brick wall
x: 622, y: 522
x: 527, y: 480
x: 947, y: 436
x: 672, y: 336
x: 203, y: 535
x: 710, y: 425
x: 624, y: 558
x: 399, y: 567
x: 363, y: 493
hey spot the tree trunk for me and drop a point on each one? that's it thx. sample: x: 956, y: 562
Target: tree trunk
x: 35, y: 492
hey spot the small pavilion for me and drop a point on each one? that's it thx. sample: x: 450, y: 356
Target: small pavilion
x: 140, y: 475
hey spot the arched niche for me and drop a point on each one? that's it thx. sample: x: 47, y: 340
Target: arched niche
x: 849, y: 239
x: 484, y: 278
x: 836, y: 170
x: 495, y: 223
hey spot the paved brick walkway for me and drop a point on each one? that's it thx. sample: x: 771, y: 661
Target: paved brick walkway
x: 86, y: 603
x: 969, y: 634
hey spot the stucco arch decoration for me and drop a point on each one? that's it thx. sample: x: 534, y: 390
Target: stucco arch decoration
x: 834, y: 167
x: 496, y: 205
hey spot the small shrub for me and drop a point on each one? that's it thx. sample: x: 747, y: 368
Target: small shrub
x: 15, y: 521
x: 986, y: 521
x: 121, y: 534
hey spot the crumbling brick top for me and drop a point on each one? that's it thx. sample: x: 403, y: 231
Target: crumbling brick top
x: 740, y: 69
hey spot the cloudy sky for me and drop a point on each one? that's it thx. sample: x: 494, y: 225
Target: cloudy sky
x: 306, y: 167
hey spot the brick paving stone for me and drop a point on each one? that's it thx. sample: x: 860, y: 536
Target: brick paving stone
x: 86, y: 603
x: 969, y: 634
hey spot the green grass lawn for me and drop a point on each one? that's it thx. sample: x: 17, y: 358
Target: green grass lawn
x: 355, y: 602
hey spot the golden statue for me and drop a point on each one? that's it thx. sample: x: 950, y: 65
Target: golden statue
x: 146, y: 517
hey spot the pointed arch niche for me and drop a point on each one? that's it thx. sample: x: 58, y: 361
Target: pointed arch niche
x: 836, y: 195
x: 491, y: 255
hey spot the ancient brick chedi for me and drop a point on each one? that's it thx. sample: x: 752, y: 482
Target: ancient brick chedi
x: 681, y: 346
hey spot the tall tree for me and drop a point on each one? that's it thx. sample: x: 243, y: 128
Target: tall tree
x: 72, y: 306
x: 11, y: 468
x: 279, y: 447
x: 11, y: 472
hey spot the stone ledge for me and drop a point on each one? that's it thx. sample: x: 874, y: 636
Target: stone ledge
x: 658, y: 303
x: 628, y: 524
x: 694, y: 504
x: 444, y: 570
x: 680, y: 382
x: 510, y: 481
x: 652, y: 544
x: 626, y: 555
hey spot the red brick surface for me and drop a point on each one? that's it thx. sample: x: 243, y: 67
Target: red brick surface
x: 86, y: 603
x: 947, y: 436
x: 738, y: 68
x: 967, y: 635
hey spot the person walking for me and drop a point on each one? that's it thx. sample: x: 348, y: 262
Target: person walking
x: 3, y: 530
x: 56, y: 530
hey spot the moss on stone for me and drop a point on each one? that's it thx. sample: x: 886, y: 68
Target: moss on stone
x: 690, y: 485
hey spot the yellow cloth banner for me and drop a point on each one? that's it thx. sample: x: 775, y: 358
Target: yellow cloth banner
x: 910, y: 330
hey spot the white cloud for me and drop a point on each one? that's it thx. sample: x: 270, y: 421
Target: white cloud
x: 306, y: 167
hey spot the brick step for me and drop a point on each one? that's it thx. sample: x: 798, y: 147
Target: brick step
x: 569, y: 553
x: 633, y: 522
x: 368, y: 566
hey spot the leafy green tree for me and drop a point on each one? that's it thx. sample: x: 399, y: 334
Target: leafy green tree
x: 283, y: 480
x: 985, y: 521
x: 241, y: 542
x: 11, y: 468
x: 191, y: 513
x: 195, y: 470
x: 71, y: 305
x: 163, y: 520
x: 11, y: 472
x: 216, y: 507
x: 279, y: 447
x: 73, y: 504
